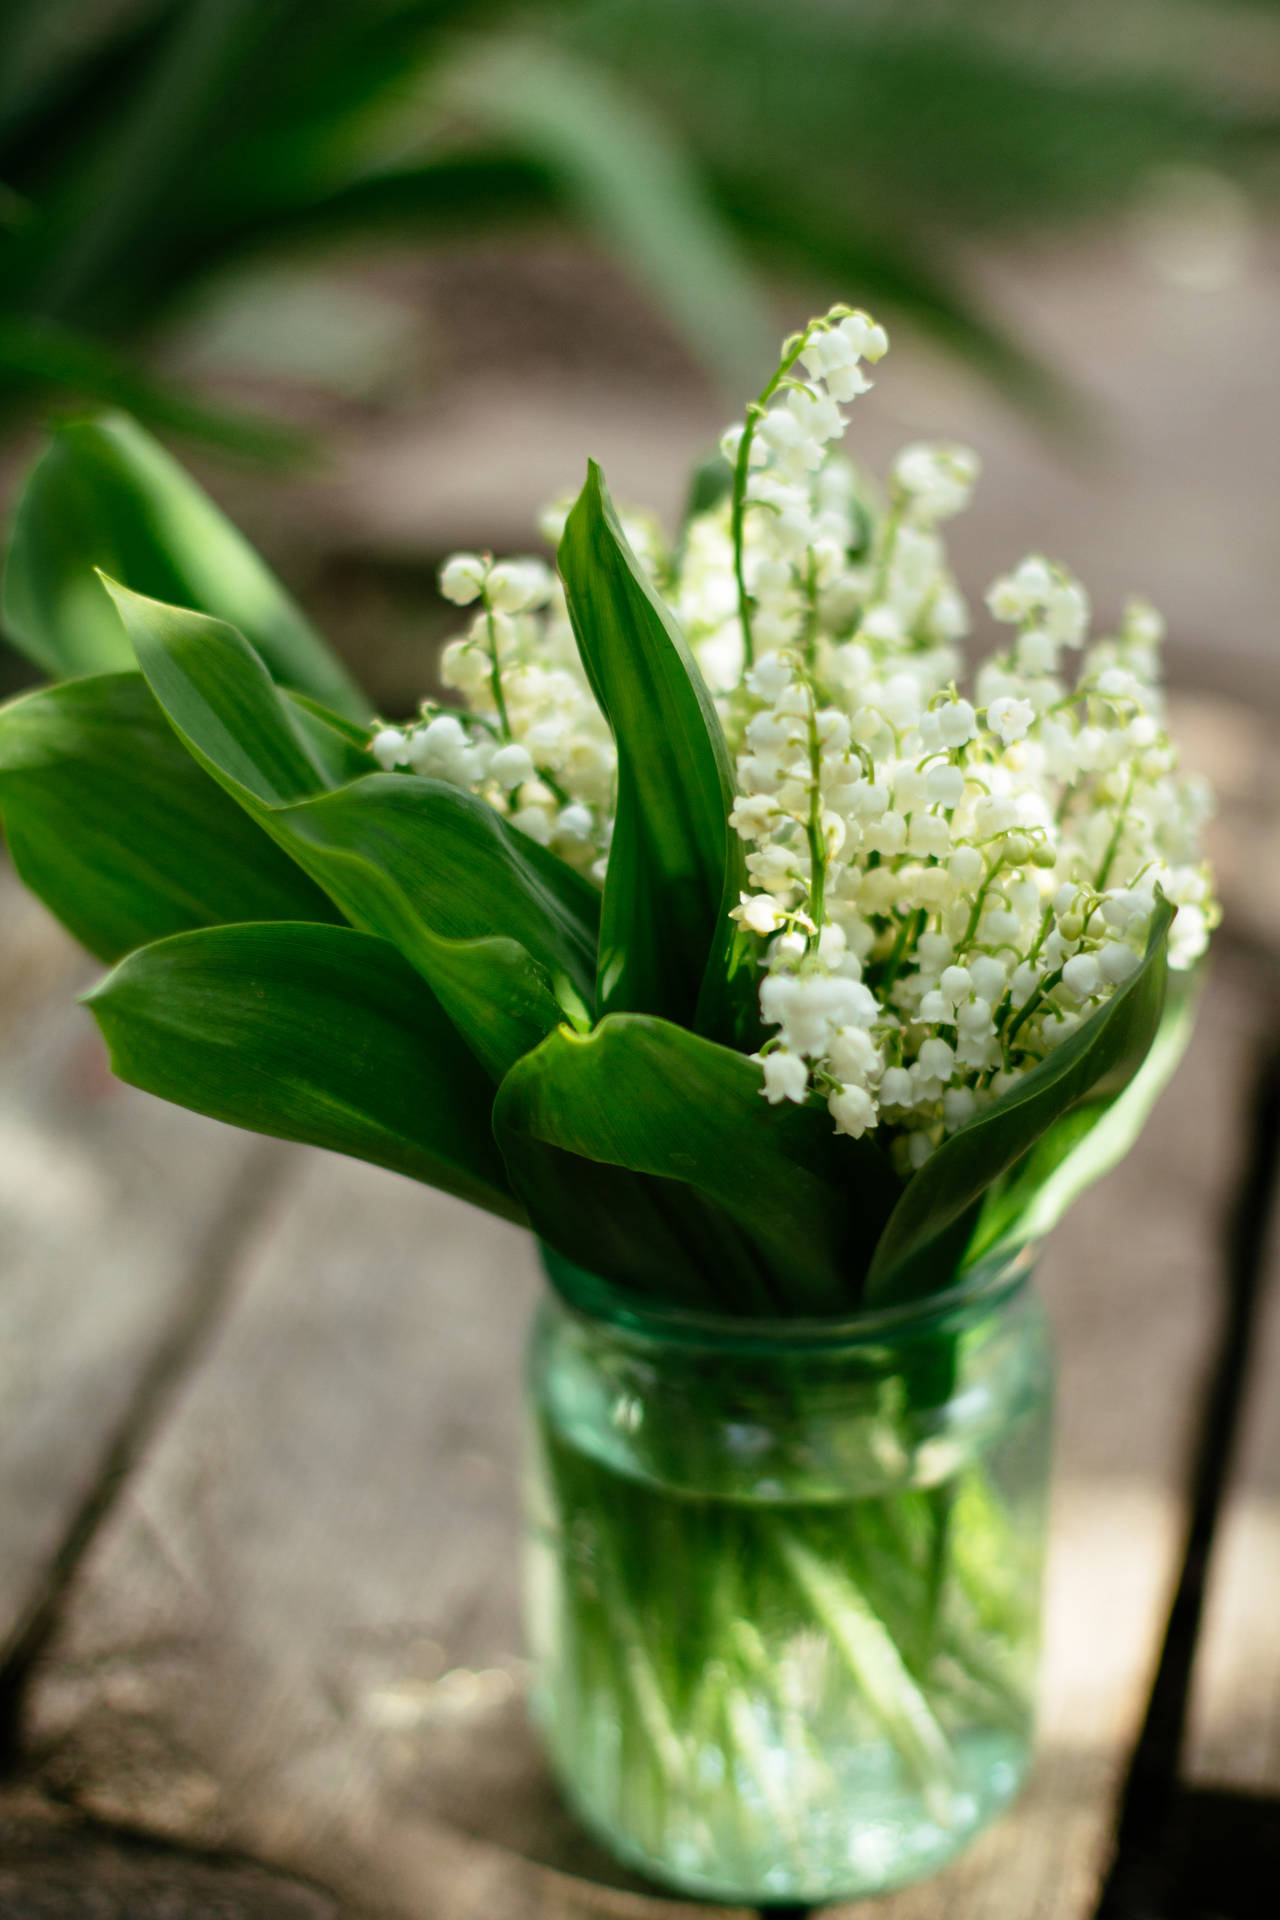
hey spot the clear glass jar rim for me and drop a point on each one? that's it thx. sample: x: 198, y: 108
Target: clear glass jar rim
x: 982, y: 1288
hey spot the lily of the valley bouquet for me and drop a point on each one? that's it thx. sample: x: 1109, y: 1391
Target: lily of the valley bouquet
x: 784, y: 980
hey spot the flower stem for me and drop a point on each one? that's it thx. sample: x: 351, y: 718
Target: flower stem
x: 1113, y: 845
x: 877, y: 1666
x: 495, y: 672
x: 741, y: 471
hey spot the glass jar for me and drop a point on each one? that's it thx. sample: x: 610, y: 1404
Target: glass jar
x: 783, y: 1580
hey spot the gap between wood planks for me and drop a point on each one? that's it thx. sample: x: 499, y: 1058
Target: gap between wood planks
x: 1172, y: 1844
x: 207, y: 1294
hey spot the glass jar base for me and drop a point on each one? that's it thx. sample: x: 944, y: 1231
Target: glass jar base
x: 873, y: 1837
x: 783, y: 1592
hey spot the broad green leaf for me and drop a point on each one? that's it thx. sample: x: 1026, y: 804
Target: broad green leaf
x: 111, y: 822
x: 105, y: 495
x: 339, y: 746
x: 312, y: 1033
x: 651, y: 1236
x: 503, y: 930
x: 1100, y: 1057
x: 667, y: 945
x: 641, y: 1094
x: 221, y: 700
x: 1085, y: 1144
x: 455, y: 857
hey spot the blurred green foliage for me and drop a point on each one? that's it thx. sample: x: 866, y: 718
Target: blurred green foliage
x: 146, y: 145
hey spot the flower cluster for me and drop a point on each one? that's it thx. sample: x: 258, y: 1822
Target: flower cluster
x: 942, y: 887
x: 531, y: 738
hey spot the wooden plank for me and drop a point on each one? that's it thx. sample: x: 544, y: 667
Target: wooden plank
x: 298, y: 1638
x: 56, y: 1867
x: 1233, y: 1732
x: 107, y: 1201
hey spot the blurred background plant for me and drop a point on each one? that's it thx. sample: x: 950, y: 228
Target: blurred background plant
x: 146, y: 146
x: 217, y: 213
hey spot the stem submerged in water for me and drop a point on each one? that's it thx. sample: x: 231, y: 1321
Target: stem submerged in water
x: 784, y: 1600
x: 877, y: 1669
x: 735, y: 1689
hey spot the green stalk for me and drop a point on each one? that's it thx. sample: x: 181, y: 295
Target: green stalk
x: 741, y: 472
x: 729, y: 1668
x: 495, y: 672
x: 877, y: 1666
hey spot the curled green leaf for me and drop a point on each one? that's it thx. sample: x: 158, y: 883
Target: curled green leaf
x: 932, y: 1223
x: 312, y: 1033
x: 667, y: 946
x: 798, y: 1208
x: 118, y: 830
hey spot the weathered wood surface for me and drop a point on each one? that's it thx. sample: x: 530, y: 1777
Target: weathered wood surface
x: 297, y: 1635
x: 113, y: 1217
x: 54, y: 1866
x: 1233, y: 1739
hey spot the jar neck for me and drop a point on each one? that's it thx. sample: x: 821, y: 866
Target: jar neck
x: 982, y: 1291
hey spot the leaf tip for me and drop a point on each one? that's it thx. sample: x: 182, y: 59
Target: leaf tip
x: 120, y: 593
x: 99, y: 991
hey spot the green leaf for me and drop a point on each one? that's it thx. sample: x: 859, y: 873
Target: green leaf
x: 105, y: 495
x: 111, y: 822
x: 654, y: 1237
x: 339, y: 746
x: 805, y: 1204
x: 310, y: 1033
x: 503, y: 930
x: 667, y: 945
x: 1088, y: 1142
x: 221, y: 700
x: 941, y: 1201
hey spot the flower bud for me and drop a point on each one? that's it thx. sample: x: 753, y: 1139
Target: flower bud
x: 511, y: 767
x: 944, y: 786
x: 973, y: 1017
x: 786, y: 1076
x: 966, y: 867
x: 937, y: 1059
x: 896, y: 1089
x: 462, y: 578
x: 1117, y: 962
x: 1082, y: 976
x: 988, y: 977
x: 853, y: 1111
x: 389, y: 748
